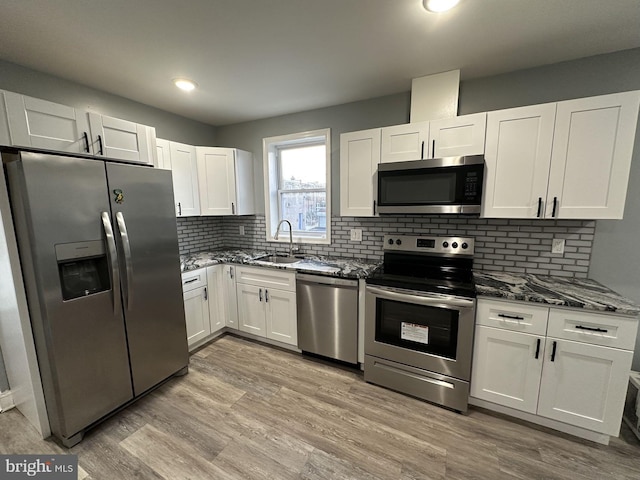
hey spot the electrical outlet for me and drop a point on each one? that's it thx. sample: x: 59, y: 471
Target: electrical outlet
x: 356, y: 234
x: 241, y: 229
x: 557, y: 245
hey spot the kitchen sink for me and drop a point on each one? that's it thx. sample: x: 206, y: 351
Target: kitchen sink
x: 276, y: 259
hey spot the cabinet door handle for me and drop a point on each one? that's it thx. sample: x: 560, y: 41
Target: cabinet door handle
x: 537, y: 348
x: 553, y: 351
x: 206, y: 295
x: 86, y: 142
x: 231, y: 272
x: 555, y: 204
x: 266, y: 295
x: 233, y: 208
x: 260, y: 294
x: 433, y: 149
x: 422, y: 151
x: 539, y: 207
x: 374, y: 207
x: 179, y: 209
x: 514, y: 317
x: 592, y: 329
x: 100, y: 150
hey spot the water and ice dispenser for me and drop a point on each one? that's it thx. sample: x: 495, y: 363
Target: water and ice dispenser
x: 83, y: 268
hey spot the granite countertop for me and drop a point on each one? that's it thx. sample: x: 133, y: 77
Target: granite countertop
x: 557, y: 291
x: 314, y: 264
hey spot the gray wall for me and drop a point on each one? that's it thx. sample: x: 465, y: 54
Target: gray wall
x: 16, y: 78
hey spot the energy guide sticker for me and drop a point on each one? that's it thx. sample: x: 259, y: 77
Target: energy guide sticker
x: 414, y: 333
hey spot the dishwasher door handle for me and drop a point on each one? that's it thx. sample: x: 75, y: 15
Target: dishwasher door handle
x: 323, y: 280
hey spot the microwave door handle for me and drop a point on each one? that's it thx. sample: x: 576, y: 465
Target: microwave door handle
x: 113, y: 261
x: 443, y: 301
x: 128, y: 264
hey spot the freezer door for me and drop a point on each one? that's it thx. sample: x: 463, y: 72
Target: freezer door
x: 147, y: 237
x: 60, y: 208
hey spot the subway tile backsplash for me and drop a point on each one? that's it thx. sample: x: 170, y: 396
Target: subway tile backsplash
x: 518, y: 246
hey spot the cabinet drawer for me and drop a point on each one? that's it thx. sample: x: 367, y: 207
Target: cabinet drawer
x: 194, y: 279
x: 519, y: 317
x: 267, y: 277
x: 596, y: 328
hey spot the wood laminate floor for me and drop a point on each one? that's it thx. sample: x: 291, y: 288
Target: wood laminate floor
x: 250, y: 411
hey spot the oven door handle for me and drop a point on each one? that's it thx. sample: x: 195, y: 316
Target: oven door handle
x: 446, y: 301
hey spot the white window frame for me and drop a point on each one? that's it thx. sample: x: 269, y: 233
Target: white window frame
x: 270, y: 146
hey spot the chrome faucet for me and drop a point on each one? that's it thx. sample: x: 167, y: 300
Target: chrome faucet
x: 290, y: 235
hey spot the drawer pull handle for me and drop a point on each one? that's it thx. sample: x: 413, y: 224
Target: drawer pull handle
x: 591, y: 329
x: 553, y: 351
x: 195, y: 279
x: 537, y: 348
x: 514, y: 317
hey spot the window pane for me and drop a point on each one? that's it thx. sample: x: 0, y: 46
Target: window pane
x: 303, y: 167
x: 307, y: 211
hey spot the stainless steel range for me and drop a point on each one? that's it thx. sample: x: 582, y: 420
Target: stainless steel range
x: 419, y: 319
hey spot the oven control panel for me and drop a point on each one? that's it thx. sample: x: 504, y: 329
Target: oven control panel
x: 434, y: 245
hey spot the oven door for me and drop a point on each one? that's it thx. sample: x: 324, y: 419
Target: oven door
x: 429, y: 331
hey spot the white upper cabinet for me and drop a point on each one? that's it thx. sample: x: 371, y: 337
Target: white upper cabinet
x: 359, y: 158
x: 405, y: 142
x: 163, y: 154
x: 446, y: 137
x: 591, y: 156
x: 517, y: 158
x: 561, y: 160
x: 458, y: 136
x: 225, y: 179
x: 185, y: 179
x: 37, y: 123
x: 121, y: 139
x: 5, y: 135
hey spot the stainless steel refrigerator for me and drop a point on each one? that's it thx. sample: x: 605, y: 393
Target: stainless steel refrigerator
x: 99, y: 252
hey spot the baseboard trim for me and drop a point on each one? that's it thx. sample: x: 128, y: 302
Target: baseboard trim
x: 6, y: 401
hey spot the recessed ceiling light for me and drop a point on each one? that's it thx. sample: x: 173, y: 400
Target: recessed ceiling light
x: 437, y: 6
x: 184, y: 84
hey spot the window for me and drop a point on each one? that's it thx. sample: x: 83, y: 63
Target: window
x: 297, y: 172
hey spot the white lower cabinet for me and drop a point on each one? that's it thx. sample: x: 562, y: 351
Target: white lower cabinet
x: 267, y: 304
x: 522, y: 360
x: 196, y: 306
x: 216, y: 298
x: 584, y: 385
x: 230, y: 296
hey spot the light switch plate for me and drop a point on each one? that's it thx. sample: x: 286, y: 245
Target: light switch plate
x: 356, y: 234
x: 241, y: 229
x: 557, y: 245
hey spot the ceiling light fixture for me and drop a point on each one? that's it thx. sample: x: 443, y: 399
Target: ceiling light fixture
x: 185, y: 84
x: 437, y: 6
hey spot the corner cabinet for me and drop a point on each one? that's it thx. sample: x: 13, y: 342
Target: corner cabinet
x: 565, y: 365
x: 447, y: 137
x: 225, y: 181
x: 359, y: 158
x: 267, y: 304
x: 181, y: 160
x: 230, y: 300
x: 568, y: 159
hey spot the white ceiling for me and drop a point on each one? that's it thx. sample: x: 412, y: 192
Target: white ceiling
x: 260, y: 58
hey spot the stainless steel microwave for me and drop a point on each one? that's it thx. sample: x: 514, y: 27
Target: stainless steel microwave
x: 440, y: 185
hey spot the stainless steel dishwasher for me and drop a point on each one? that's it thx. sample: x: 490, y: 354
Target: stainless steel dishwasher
x: 328, y: 316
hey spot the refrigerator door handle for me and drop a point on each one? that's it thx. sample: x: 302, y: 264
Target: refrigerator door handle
x: 113, y: 261
x: 128, y: 264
